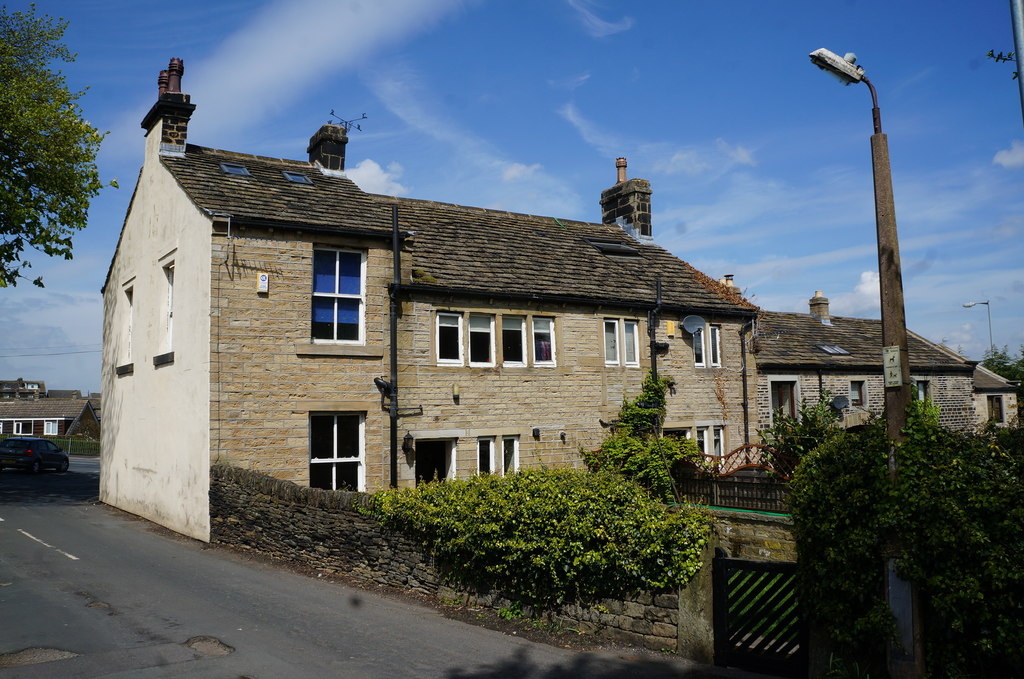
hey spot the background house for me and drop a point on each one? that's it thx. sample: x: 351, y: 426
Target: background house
x: 48, y: 417
x: 995, y: 397
x: 270, y: 314
x: 22, y: 388
x: 802, y: 356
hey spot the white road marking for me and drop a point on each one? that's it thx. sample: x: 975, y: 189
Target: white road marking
x: 59, y: 551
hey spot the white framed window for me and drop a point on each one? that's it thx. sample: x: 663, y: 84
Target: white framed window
x: 169, y: 307
x: 715, y: 345
x: 711, y: 440
x: 858, y: 393
x: 611, y: 341
x: 481, y: 340
x: 509, y: 454
x: 23, y: 428
x: 339, y: 286
x: 707, y: 347
x: 543, y: 341
x: 485, y: 455
x: 621, y: 342
x: 50, y: 428
x: 449, y: 338
x: 336, y: 451
x: 630, y: 343
x: 513, y: 340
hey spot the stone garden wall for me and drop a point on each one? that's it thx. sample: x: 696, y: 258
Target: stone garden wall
x: 325, y: 530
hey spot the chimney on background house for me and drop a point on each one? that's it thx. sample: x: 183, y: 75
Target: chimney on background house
x: 819, y: 307
x: 169, y: 116
x: 628, y: 203
x: 327, y: 147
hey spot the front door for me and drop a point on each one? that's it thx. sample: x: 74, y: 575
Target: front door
x: 432, y: 460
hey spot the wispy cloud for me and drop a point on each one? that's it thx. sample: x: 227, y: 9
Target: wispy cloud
x: 287, y: 48
x: 596, y: 26
x: 571, y: 82
x: 1011, y: 158
x: 487, y: 176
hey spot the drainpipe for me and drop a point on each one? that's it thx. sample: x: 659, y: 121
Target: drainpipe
x: 743, y: 371
x: 396, y: 259
x: 652, y: 328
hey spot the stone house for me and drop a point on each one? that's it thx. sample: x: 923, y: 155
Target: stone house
x: 269, y: 314
x: 995, y: 398
x: 802, y: 356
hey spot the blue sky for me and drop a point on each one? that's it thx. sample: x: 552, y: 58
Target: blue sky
x: 759, y: 163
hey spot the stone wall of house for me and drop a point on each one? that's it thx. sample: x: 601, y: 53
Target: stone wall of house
x: 755, y: 535
x: 326, y: 531
x: 267, y: 376
x: 951, y: 392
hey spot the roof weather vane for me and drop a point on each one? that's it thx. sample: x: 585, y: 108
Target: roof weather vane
x: 347, y: 124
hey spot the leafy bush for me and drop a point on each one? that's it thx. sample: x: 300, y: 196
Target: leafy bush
x: 797, y: 436
x: 956, y: 515
x: 637, y: 450
x: 548, y: 536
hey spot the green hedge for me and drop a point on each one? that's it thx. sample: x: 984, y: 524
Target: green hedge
x: 545, y: 537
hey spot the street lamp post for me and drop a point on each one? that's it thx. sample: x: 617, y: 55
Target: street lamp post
x: 906, y: 658
x: 991, y: 344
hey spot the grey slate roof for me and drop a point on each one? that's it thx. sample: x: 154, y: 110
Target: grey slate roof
x: 479, y: 250
x: 266, y: 195
x: 51, y: 408
x: 988, y: 381
x: 791, y: 339
x: 455, y: 247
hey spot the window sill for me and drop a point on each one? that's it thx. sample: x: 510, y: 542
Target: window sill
x: 126, y: 369
x: 342, y: 350
x: 163, y: 359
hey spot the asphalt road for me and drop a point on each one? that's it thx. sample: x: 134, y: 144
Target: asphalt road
x: 78, y: 577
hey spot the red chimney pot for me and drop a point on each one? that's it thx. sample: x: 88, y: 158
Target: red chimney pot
x: 174, y: 72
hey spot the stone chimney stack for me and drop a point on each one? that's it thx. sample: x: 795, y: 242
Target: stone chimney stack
x: 327, y: 148
x: 166, y: 124
x: 628, y: 203
x: 819, y: 308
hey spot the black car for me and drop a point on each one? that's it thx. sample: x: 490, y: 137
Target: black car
x: 33, y: 454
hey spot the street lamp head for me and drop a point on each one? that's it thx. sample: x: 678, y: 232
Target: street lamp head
x: 840, y: 68
x: 968, y: 305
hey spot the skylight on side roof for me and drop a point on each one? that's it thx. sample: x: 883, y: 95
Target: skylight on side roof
x: 613, y: 247
x: 296, y: 177
x: 234, y: 168
x: 833, y: 349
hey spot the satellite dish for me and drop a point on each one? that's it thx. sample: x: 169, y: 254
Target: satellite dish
x: 692, y: 324
x: 840, y: 402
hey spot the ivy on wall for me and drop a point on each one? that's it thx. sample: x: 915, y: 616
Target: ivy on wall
x: 956, y: 516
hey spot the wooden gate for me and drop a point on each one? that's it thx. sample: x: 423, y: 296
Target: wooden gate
x: 757, y: 617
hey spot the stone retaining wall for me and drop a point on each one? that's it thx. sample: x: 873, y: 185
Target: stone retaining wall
x: 326, y: 531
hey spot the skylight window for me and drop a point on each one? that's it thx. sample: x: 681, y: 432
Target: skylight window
x: 234, y: 168
x: 296, y: 177
x: 833, y: 349
x: 613, y: 248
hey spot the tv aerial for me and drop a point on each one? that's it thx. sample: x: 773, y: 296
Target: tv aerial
x: 347, y: 124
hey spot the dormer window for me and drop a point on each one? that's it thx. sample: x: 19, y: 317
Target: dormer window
x: 234, y: 168
x: 833, y: 349
x: 297, y: 177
